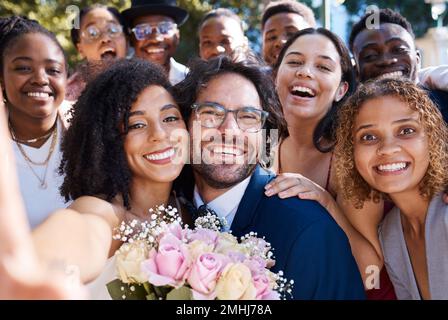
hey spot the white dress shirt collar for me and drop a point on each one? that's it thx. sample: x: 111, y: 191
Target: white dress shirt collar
x: 178, y: 72
x: 226, y: 204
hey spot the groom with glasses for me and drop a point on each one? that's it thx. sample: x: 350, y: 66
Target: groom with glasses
x: 229, y: 108
x: 155, y: 34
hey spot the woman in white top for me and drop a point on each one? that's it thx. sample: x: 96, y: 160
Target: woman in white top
x: 33, y: 76
x: 392, y: 143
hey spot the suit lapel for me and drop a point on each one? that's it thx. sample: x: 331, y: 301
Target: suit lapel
x: 248, y: 206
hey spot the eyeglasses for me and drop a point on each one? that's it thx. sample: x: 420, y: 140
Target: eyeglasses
x: 93, y: 32
x: 144, y: 30
x: 213, y: 115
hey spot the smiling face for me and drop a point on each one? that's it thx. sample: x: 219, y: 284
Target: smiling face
x: 157, y: 48
x: 277, y: 30
x: 154, y: 145
x: 386, y: 52
x: 106, y: 46
x: 34, y: 77
x: 309, y: 78
x: 390, y: 146
x: 221, y: 35
x: 227, y: 152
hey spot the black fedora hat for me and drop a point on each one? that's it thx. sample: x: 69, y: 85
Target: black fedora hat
x: 163, y: 7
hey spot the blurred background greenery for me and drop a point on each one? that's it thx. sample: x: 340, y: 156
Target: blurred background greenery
x: 56, y: 17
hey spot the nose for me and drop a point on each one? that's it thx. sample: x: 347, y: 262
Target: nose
x: 40, y: 77
x: 215, y: 52
x: 105, y: 38
x: 229, y: 123
x: 155, y: 34
x: 388, y: 146
x: 387, y: 60
x: 281, y: 41
x: 220, y: 49
x: 304, y: 71
x: 157, y: 132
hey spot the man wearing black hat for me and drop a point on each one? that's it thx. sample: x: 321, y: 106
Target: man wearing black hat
x: 155, y: 34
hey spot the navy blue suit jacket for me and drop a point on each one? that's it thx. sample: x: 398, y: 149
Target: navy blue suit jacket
x: 309, y: 247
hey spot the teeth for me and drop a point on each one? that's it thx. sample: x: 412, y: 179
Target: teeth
x: 391, y: 75
x: 227, y: 150
x: 304, y: 90
x: 392, y: 167
x: 38, y: 94
x: 160, y: 156
x: 149, y: 50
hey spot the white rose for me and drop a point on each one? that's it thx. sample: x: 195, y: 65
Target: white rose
x: 129, y: 259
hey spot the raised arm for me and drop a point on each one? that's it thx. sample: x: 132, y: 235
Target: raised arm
x: 434, y: 77
x: 363, y: 241
x: 79, y: 237
x: 22, y: 275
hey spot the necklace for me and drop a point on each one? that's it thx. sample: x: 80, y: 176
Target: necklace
x: 29, y: 162
x: 45, y: 136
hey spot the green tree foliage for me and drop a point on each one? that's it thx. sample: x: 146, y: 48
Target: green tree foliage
x: 54, y: 16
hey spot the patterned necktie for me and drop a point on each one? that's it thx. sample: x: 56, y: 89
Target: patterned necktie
x: 202, y: 212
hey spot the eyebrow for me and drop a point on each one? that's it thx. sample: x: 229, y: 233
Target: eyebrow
x: 366, y: 126
x: 397, y: 39
x: 22, y: 58
x: 143, y: 112
x: 167, y: 107
x: 301, y: 54
x: 29, y: 59
x: 374, y: 44
x: 286, y: 27
x: 108, y: 21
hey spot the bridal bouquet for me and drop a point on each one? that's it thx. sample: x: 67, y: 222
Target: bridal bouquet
x: 164, y: 259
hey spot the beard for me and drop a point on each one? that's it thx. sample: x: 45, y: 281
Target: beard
x: 223, y: 176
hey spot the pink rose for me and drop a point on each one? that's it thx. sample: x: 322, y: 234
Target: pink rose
x: 256, y: 265
x: 168, y: 265
x: 263, y: 287
x: 207, y: 236
x: 236, y: 256
x: 177, y: 230
x: 204, y: 274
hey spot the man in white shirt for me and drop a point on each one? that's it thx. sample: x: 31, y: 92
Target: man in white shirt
x: 155, y: 34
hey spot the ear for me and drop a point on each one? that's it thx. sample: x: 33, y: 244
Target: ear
x: 81, y: 52
x: 177, y: 37
x: 246, y: 43
x: 341, y: 91
x: 418, y: 57
x: 356, y: 68
x: 2, y: 90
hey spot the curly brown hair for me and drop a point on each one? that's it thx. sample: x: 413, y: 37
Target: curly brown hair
x: 353, y: 187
